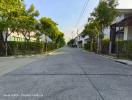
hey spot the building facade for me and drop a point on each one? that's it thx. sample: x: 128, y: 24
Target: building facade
x: 81, y: 40
x: 121, y: 29
x: 19, y: 37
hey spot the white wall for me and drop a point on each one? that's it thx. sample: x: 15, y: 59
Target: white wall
x: 80, y: 38
x: 125, y: 32
x: 129, y: 33
x: 119, y: 18
x: 43, y: 38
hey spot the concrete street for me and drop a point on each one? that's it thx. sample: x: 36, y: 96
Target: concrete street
x: 68, y: 74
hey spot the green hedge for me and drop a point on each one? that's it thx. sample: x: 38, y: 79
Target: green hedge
x: 27, y: 48
x: 124, y: 49
x: 105, y: 46
x: 23, y: 48
x: 87, y: 46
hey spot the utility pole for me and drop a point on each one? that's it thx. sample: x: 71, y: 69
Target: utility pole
x: 77, y: 38
x: 77, y: 31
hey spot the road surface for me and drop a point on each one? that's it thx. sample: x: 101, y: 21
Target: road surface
x: 68, y: 74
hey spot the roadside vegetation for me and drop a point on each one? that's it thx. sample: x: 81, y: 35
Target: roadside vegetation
x: 14, y: 17
x: 102, y: 17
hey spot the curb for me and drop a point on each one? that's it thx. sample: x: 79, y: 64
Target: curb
x: 28, y: 56
x: 116, y: 60
x: 111, y: 58
x: 121, y: 62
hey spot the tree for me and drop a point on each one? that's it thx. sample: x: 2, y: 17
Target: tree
x: 28, y: 22
x: 71, y: 42
x: 49, y: 28
x: 60, y: 41
x: 104, y: 14
x: 9, y: 11
x: 92, y: 30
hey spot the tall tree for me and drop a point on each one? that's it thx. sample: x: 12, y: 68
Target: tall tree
x: 49, y: 28
x: 28, y: 22
x: 104, y: 14
x: 60, y: 41
x: 9, y: 11
x: 92, y: 30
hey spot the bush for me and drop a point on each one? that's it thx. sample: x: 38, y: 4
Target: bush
x: 22, y: 48
x: 105, y: 46
x: 87, y: 46
x: 125, y: 49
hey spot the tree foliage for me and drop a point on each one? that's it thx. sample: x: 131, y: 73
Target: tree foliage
x: 50, y: 28
x: 102, y: 16
x: 105, y: 13
x: 15, y: 17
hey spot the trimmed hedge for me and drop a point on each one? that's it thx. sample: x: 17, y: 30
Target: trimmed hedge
x: 26, y: 48
x: 105, y: 46
x: 125, y: 49
x: 23, y: 48
x: 87, y: 46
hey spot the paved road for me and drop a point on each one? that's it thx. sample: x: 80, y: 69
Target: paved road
x: 8, y: 64
x: 68, y: 74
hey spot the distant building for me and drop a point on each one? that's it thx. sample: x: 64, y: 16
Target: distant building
x: 45, y: 38
x: 19, y: 37
x: 80, y: 40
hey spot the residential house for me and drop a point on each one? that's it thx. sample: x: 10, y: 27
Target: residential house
x: 121, y: 29
x: 80, y: 40
x: 19, y: 37
x: 45, y: 38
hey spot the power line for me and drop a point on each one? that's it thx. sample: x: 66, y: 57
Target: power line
x: 82, y: 12
x: 81, y: 15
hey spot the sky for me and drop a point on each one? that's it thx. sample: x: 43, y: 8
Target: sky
x: 66, y: 12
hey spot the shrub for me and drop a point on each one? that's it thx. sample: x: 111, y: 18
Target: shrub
x: 17, y: 48
x: 87, y: 46
x: 105, y: 46
x: 125, y: 49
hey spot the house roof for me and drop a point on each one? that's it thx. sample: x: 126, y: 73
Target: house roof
x: 126, y: 22
x: 125, y: 11
x: 44, y: 37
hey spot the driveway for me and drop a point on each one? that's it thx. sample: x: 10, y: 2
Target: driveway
x: 68, y: 74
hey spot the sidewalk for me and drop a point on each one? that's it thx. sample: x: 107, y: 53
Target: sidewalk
x: 10, y: 63
x: 123, y: 61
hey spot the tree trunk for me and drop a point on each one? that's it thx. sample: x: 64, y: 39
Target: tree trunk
x: 6, y: 44
x: 6, y: 48
x: 98, y: 44
x: 91, y: 48
x: 45, y: 43
x: 2, y: 45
